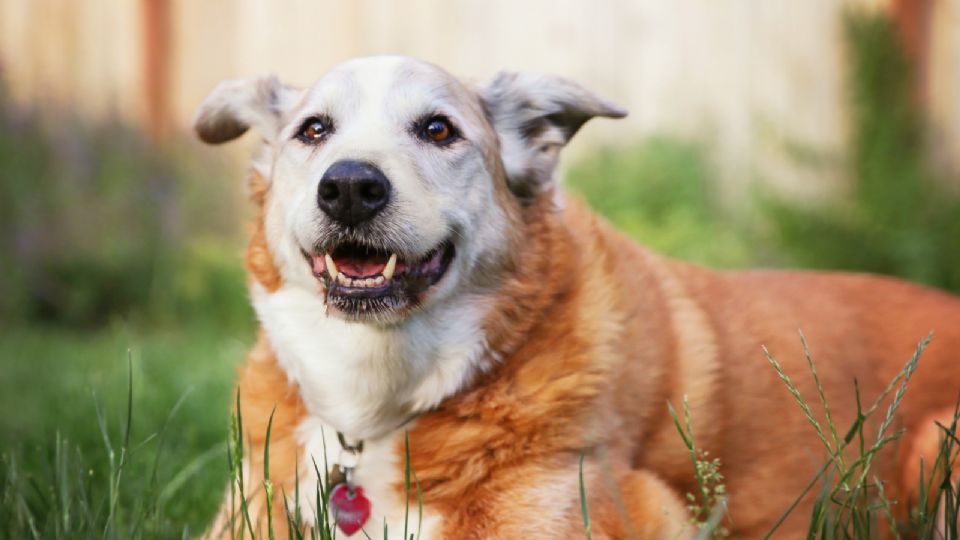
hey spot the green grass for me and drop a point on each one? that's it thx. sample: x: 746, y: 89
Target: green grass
x: 708, y: 506
x: 240, y: 523
x: 124, y: 434
x: 128, y: 437
x: 851, y: 502
x: 64, y: 395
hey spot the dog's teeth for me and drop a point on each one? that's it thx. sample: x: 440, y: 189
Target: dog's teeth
x: 378, y: 280
x: 331, y: 266
x: 390, y: 267
x: 368, y: 282
x: 344, y: 280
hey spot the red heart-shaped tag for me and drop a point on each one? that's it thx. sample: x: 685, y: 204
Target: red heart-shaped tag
x: 350, y: 511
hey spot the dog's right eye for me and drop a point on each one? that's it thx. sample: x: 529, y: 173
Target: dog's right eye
x: 313, y: 130
x: 437, y: 129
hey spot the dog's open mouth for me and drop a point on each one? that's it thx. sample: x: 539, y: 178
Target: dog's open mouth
x: 362, y: 280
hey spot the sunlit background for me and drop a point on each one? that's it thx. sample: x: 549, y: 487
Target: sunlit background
x: 811, y: 133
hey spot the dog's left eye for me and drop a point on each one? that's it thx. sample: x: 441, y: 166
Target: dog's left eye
x: 438, y: 129
x: 313, y: 130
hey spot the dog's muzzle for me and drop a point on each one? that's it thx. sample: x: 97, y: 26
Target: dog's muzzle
x: 366, y: 273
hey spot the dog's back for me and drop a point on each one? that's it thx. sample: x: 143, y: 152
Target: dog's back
x: 859, y: 328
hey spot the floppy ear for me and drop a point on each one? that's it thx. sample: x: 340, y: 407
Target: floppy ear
x: 237, y: 105
x: 535, y: 116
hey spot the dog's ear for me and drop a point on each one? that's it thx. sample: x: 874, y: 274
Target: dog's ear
x: 237, y: 105
x: 535, y: 116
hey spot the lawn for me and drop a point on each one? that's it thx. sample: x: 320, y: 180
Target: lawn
x: 63, y: 389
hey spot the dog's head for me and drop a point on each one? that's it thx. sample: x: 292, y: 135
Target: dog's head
x: 392, y: 184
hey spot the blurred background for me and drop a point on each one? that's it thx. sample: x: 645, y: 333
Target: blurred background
x: 811, y: 133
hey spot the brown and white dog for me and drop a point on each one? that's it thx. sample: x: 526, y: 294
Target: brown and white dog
x: 417, y: 270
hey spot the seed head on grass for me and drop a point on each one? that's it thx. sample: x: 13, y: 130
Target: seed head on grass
x: 708, y: 508
x: 849, y: 503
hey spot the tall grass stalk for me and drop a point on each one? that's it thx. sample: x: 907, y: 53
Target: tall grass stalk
x: 708, y: 508
x: 853, y: 498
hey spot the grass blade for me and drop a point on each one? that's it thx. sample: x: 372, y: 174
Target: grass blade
x: 267, y: 485
x: 584, y: 511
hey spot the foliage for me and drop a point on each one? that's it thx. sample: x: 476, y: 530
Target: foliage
x: 660, y: 192
x: 72, y: 464
x: 96, y: 224
x: 900, y: 218
x: 852, y: 502
x: 707, y: 507
x: 158, y: 455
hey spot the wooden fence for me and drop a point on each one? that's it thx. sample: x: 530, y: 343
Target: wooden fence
x: 751, y: 78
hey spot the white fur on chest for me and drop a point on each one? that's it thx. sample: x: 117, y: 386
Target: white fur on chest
x: 367, y: 382
x: 364, y: 380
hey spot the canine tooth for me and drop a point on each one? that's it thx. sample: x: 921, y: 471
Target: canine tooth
x: 331, y: 266
x: 390, y: 267
x: 344, y: 280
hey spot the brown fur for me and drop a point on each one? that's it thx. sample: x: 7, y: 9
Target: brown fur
x: 595, y: 336
x: 263, y: 386
x: 259, y: 261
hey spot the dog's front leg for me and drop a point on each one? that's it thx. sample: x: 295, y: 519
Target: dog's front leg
x: 633, y: 504
x: 534, y: 501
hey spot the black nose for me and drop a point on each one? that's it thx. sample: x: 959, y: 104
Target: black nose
x: 352, y: 192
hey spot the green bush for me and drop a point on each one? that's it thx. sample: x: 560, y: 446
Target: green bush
x: 660, y: 192
x: 901, y: 218
x: 96, y: 223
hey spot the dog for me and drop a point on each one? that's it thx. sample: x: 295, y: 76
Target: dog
x: 425, y: 288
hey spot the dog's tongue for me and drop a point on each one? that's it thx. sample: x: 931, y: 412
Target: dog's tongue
x: 357, y: 267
